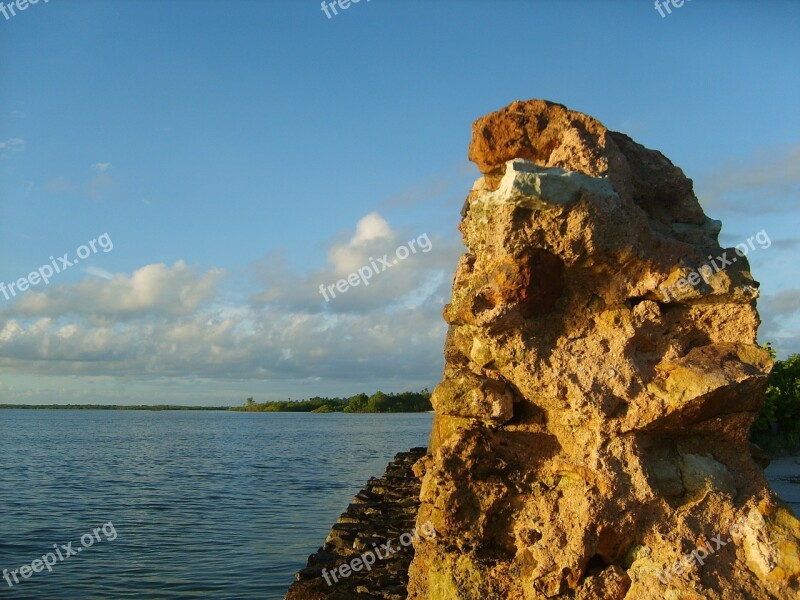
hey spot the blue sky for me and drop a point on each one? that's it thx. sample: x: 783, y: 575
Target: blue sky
x: 239, y: 154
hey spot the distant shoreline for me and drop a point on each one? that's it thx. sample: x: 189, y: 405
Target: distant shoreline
x: 403, y: 402
x: 162, y: 407
x: 109, y: 407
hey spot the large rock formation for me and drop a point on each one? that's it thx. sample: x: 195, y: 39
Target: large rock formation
x: 602, y: 372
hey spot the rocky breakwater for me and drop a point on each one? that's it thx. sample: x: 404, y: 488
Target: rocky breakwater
x: 590, y: 438
x: 375, y: 524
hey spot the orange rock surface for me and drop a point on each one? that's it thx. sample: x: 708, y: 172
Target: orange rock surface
x: 590, y: 437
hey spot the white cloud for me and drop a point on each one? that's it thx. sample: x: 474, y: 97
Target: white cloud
x: 266, y: 344
x: 769, y: 182
x: 448, y: 183
x: 156, y: 290
x: 780, y: 322
x: 98, y: 272
x: 371, y: 231
x: 96, y: 187
x: 421, y: 277
x: 369, y: 228
x: 174, y: 322
x: 59, y: 185
x: 11, y: 146
x: 783, y: 304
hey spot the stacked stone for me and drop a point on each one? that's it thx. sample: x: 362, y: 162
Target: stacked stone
x: 382, y: 512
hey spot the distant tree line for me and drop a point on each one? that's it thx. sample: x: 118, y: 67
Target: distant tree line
x: 777, y: 427
x: 403, y: 402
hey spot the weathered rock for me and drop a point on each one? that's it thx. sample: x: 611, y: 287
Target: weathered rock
x: 591, y: 426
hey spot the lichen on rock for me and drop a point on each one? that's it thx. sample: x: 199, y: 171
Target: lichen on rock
x: 589, y: 431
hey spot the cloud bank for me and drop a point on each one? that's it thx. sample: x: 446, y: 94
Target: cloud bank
x: 173, y: 321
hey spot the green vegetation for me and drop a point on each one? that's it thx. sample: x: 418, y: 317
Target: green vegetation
x: 777, y: 427
x: 404, y: 402
x: 379, y: 402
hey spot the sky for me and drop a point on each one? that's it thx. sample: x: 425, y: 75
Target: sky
x: 215, y: 163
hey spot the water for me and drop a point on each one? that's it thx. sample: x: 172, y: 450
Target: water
x: 204, y: 504
x: 784, y: 476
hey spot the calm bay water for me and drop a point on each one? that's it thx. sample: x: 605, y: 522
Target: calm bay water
x: 204, y: 504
